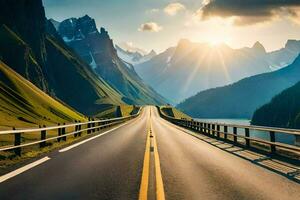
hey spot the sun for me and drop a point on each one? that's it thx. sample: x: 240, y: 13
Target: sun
x: 215, y: 42
x: 218, y: 40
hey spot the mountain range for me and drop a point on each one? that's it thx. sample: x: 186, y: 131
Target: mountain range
x: 97, y: 48
x: 188, y: 68
x: 134, y: 57
x: 241, y: 99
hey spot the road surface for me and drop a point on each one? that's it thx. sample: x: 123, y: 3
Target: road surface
x: 169, y: 163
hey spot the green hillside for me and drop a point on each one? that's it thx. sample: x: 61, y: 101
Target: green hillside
x: 118, y: 111
x: 22, y: 104
x: 173, y: 112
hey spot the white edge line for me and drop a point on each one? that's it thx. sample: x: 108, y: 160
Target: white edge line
x: 23, y: 169
x: 89, y: 139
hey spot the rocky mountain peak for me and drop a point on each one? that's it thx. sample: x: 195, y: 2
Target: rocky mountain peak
x: 55, y: 23
x: 293, y: 45
x: 87, y: 25
x: 77, y: 28
x: 259, y: 47
x: 152, y: 53
x: 103, y: 32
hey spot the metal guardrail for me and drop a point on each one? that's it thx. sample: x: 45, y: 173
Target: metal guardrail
x: 78, y: 129
x: 216, y: 129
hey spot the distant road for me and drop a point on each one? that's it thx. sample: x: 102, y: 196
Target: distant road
x: 113, y: 165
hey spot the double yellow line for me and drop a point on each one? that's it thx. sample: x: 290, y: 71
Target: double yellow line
x: 160, y: 194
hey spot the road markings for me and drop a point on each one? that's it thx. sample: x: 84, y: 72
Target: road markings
x: 160, y: 194
x: 38, y: 162
x: 89, y: 139
x: 145, y: 174
x: 23, y: 169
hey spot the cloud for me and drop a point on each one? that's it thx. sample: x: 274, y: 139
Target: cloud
x: 150, y: 27
x: 154, y: 10
x: 247, y: 12
x: 173, y: 8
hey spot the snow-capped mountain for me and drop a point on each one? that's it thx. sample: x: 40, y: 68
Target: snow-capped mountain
x: 135, y: 57
x: 96, y: 48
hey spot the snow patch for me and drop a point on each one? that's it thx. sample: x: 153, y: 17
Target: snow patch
x: 132, y: 58
x: 66, y: 39
x: 93, y: 63
x: 169, y: 59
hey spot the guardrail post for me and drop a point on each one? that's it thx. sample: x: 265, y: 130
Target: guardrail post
x: 213, y: 129
x: 58, y: 133
x: 208, y: 129
x: 79, y: 128
x: 247, y: 134
x: 63, y: 132
x: 235, y: 134
x: 94, y: 125
x: 17, y: 143
x: 43, y: 137
x: 225, y: 132
x: 89, y: 126
x: 198, y: 127
x: 218, y: 131
x: 76, y: 129
x: 201, y: 127
x: 98, y: 124
x: 297, y: 140
x: 272, y: 139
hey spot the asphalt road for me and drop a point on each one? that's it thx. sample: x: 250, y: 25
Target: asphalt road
x: 110, y: 167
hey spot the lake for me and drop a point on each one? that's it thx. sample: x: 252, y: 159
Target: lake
x: 280, y: 137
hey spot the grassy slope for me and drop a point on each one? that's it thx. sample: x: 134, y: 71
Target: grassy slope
x: 173, y: 112
x: 24, y: 105
x: 118, y: 111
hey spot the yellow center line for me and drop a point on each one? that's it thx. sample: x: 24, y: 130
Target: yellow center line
x: 160, y: 194
x: 145, y: 174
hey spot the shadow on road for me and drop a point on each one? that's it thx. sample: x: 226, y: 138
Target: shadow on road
x: 278, y: 164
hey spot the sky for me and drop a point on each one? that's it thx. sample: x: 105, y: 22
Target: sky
x: 160, y: 24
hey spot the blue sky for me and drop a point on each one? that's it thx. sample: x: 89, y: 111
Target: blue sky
x: 159, y: 24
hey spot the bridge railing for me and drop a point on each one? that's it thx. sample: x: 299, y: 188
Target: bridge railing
x: 221, y: 131
x: 58, y: 132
